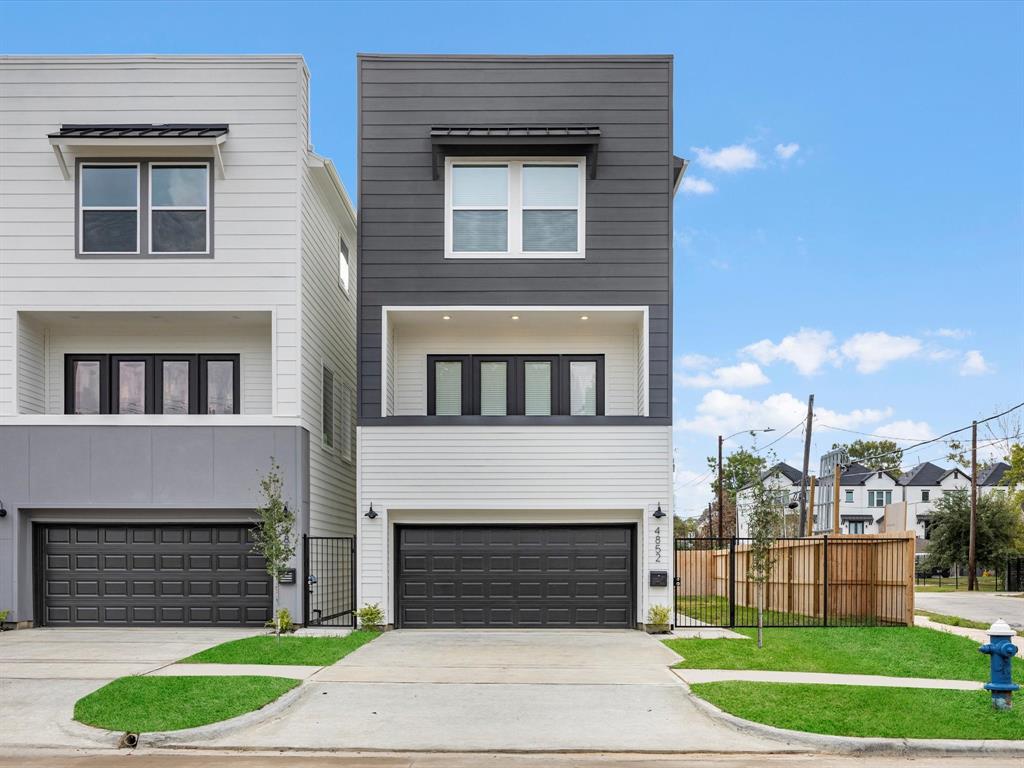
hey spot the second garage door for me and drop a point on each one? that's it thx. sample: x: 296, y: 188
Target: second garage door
x: 515, y: 576
x: 150, y: 575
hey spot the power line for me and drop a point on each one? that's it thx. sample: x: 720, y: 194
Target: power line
x: 939, y: 438
x: 868, y: 434
x: 780, y: 437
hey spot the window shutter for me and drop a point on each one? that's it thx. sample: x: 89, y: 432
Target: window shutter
x: 493, y: 388
x: 448, y: 388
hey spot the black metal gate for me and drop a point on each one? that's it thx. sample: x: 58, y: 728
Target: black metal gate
x: 850, y: 581
x: 330, y: 568
x: 1015, y: 574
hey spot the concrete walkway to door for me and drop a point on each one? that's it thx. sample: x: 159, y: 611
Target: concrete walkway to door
x: 486, y: 690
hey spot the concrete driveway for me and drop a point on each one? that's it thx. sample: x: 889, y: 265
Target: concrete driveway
x: 499, y: 690
x: 978, y: 606
x: 43, y: 672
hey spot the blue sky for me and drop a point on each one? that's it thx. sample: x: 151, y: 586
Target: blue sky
x: 852, y: 224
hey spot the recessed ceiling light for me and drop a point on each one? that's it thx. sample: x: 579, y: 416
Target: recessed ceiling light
x: 515, y: 317
x: 584, y: 317
x: 447, y: 317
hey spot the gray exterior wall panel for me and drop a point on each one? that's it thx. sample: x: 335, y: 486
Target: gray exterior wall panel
x: 140, y: 474
x: 629, y: 204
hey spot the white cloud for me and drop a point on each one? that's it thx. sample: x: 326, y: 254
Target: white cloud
x: 907, y: 429
x: 974, y: 364
x: 695, y: 362
x: 738, y: 157
x: 694, y: 185
x: 950, y: 333
x: 722, y: 413
x: 873, y: 351
x: 807, y: 349
x: 737, y: 376
x: 786, y: 151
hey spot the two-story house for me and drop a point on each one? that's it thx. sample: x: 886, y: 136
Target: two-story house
x: 863, y: 496
x: 785, y: 482
x: 515, y: 437
x: 177, y: 310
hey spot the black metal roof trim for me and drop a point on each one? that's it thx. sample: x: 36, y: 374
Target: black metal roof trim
x: 140, y: 131
x: 444, y: 136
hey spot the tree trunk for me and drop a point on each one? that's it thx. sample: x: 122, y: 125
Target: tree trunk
x: 760, y: 614
x: 277, y: 609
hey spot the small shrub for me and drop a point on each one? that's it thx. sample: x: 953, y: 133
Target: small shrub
x: 371, y: 616
x: 658, y: 614
x: 282, y: 622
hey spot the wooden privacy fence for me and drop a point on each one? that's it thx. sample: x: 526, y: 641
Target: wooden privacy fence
x: 841, y: 580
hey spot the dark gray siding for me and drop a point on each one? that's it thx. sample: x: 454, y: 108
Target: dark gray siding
x: 629, y: 204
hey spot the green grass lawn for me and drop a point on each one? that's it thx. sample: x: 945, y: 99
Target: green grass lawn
x: 847, y: 710
x: 144, y: 704
x: 896, y: 651
x: 953, y: 621
x: 714, y: 610
x: 268, y: 649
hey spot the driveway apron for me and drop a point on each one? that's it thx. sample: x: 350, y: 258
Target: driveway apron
x: 489, y: 690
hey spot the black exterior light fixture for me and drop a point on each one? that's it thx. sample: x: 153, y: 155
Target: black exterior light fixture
x: 371, y: 514
x: 3, y: 512
x: 658, y: 514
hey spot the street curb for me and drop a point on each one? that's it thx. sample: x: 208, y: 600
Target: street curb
x: 105, y: 738
x: 857, y: 745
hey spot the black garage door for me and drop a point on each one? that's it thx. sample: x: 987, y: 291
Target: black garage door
x: 515, y: 576
x: 150, y: 575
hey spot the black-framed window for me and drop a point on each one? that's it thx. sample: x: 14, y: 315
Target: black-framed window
x: 152, y: 383
x: 515, y: 385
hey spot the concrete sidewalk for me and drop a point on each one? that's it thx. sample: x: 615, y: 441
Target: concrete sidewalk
x: 977, y: 635
x: 821, y: 678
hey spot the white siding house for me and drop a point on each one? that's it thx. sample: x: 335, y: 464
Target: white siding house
x: 170, y: 292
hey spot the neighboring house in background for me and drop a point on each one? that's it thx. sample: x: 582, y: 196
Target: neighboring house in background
x: 992, y: 479
x: 177, y: 278
x: 515, y: 436
x: 784, y: 480
x: 921, y: 488
x: 863, y: 494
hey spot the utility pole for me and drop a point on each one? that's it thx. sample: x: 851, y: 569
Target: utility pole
x: 721, y: 488
x: 835, y: 497
x: 809, y: 530
x: 972, y: 578
x: 807, y: 465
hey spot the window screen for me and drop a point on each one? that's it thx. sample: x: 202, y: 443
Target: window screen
x: 480, y: 208
x: 537, y: 387
x: 448, y: 388
x: 550, y: 202
x: 493, y: 388
x: 110, y: 208
x: 583, y: 388
x: 178, y: 203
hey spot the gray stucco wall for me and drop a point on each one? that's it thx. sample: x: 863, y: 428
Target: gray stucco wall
x: 629, y: 205
x: 141, y: 474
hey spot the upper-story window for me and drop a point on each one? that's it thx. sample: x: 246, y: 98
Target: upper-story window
x: 343, y: 263
x: 523, y: 208
x: 145, y: 209
x: 849, y: 497
x: 926, y: 495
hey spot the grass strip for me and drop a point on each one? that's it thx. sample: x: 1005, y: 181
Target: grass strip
x: 268, y: 649
x: 894, y: 651
x: 144, y: 704
x: 952, y: 621
x: 848, y: 710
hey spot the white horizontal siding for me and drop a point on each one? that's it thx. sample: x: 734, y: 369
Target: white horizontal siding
x: 31, y: 367
x: 256, y: 231
x: 514, y: 475
x: 412, y: 346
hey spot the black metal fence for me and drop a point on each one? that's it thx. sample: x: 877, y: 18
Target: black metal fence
x: 852, y: 581
x: 955, y: 579
x: 1015, y: 574
x: 330, y: 568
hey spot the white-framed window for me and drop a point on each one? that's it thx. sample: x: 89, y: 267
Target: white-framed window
x: 109, y: 204
x: 343, y: 267
x: 179, y: 208
x: 327, y: 407
x: 879, y: 498
x: 849, y: 497
x: 515, y: 207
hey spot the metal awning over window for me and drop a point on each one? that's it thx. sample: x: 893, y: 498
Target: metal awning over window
x: 71, y: 136
x: 857, y: 518
x: 515, y: 139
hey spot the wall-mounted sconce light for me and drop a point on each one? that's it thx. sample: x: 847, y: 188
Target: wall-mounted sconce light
x: 3, y: 512
x: 371, y: 514
x: 658, y: 513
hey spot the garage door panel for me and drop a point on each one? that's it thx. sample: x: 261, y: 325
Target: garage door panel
x: 557, y: 576
x: 192, y: 575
